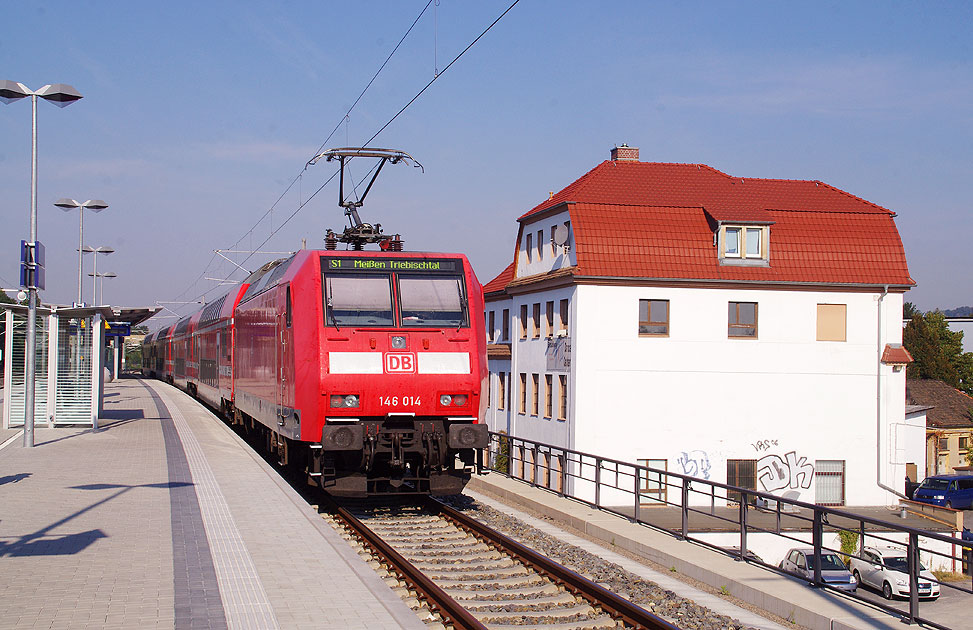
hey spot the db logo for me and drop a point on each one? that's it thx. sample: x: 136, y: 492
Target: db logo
x: 404, y: 363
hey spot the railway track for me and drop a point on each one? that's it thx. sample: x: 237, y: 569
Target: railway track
x: 470, y: 576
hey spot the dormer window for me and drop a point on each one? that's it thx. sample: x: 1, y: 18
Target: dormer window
x: 743, y: 244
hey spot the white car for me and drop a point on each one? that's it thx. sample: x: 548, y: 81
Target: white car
x: 887, y: 569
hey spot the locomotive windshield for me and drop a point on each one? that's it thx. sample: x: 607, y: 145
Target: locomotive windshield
x: 384, y: 292
x: 358, y: 300
x: 432, y: 301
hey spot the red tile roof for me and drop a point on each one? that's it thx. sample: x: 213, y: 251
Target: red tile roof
x: 654, y: 220
x: 896, y: 355
x: 952, y: 409
x: 498, y: 283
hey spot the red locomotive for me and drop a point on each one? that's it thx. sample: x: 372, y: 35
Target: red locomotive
x: 366, y: 367
x: 363, y: 367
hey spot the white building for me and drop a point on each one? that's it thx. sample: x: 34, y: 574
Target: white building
x: 747, y: 331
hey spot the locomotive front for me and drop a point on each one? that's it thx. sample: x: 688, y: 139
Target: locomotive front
x: 402, y: 362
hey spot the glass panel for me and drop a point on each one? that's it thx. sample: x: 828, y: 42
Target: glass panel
x: 660, y: 310
x: 72, y: 401
x: 643, y: 310
x: 432, y: 301
x: 748, y: 313
x: 753, y: 242
x: 16, y: 389
x: 358, y: 300
x: 732, y: 241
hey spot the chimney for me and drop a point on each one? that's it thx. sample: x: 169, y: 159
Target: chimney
x: 625, y: 153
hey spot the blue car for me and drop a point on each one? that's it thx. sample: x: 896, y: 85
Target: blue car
x: 951, y: 491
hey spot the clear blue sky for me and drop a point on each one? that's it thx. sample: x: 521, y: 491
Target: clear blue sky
x: 197, y: 116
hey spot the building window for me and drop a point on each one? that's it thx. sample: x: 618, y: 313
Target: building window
x: 530, y: 246
x: 654, y: 318
x: 564, y: 315
x: 829, y: 482
x: 742, y: 321
x: 549, y: 320
x: 548, y: 396
x: 741, y: 473
x: 745, y: 242
x: 490, y: 328
x: 523, y: 321
x: 505, y: 324
x: 535, y: 378
x: 523, y: 393
x: 536, y: 321
x: 832, y: 322
x: 562, y: 408
x: 652, y: 484
x: 540, y: 244
x: 964, y: 444
x: 501, y: 390
x: 944, y: 443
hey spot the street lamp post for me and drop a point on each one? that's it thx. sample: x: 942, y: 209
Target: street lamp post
x: 95, y: 205
x: 96, y: 250
x: 61, y: 95
x: 108, y: 274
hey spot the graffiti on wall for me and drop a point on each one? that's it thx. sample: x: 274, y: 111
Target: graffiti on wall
x: 789, y: 473
x: 694, y: 463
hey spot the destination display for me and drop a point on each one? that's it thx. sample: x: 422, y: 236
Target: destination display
x: 349, y: 263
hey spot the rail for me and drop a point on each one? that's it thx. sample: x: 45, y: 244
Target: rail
x: 436, y: 598
x: 634, y: 490
x: 617, y: 607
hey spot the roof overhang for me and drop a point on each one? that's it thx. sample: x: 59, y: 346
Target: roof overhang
x: 546, y: 212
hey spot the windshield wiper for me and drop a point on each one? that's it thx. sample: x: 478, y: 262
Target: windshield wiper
x: 330, y: 309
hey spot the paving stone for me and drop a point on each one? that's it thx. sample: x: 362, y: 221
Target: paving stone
x: 165, y: 518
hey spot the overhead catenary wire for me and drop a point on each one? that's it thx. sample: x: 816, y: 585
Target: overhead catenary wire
x: 303, y: 203
x: 298, y: 179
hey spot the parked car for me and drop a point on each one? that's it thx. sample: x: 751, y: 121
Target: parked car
x: 834, y: 573
x: 952, y: 491
x: 887, y: 569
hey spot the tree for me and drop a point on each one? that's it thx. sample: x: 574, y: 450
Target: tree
x: 6, y: 299
x: 937, y: 351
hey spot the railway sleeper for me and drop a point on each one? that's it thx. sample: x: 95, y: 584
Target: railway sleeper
x: 541, y: 589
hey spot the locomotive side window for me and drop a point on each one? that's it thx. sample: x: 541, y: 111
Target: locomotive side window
x: 358, y: 300
x: 432, y: 301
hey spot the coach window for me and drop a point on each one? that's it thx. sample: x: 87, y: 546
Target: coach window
x: 432, y: 301
x: 358, y: 300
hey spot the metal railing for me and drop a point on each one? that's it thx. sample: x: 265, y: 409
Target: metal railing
x: 636, y: 492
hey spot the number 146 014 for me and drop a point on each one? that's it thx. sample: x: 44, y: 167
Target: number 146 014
x: 399, y: 401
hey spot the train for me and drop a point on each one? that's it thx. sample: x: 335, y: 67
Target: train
x: 364, y: 369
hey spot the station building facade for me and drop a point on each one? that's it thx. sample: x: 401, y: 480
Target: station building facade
x: 746, y: 331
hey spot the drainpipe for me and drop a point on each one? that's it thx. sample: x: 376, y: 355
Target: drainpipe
x: 878, y: 403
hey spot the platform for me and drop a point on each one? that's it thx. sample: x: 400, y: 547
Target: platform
x: 164, y: 518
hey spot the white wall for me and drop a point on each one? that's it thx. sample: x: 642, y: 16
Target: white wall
x: 697, y: 398
x: 548, y: 258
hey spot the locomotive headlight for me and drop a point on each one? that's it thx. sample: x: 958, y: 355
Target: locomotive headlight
x: 445, y: 399
x: 344, y: 400
x: 398, y: 342
x: 459, y: 400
